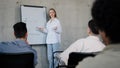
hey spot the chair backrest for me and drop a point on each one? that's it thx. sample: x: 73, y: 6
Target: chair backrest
x: 76, y: 57
x: 16, y: 60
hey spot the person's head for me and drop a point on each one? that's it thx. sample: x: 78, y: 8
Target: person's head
x: 20, y: 30
x: 52, y: 13
x: 92, y: 28
x: 106, y: 14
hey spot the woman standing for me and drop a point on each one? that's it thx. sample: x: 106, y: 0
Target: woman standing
x: 53, y: 30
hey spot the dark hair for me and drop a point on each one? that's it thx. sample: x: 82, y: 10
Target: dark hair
x: 93, y: 27
x: 54, y: 11
x: 106, y: 14
x: 20, y: 29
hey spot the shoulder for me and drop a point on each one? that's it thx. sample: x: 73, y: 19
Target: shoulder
x: 79, y: 42
x: 4, y: 43
x: 100, y: 61
x: 57, y: 20
x: 90, y: 61
x: 4, y: 46
x: 81, y: 39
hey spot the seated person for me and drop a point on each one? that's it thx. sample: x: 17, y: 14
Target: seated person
x: 107, y: 17
x: 20, y: 45
x: 91, y: 43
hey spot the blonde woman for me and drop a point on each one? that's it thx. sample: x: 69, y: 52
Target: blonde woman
x: 53, y: 30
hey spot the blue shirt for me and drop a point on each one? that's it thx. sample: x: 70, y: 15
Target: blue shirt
x: 17, y: 46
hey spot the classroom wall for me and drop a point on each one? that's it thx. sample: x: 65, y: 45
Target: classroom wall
x: 73, y: 15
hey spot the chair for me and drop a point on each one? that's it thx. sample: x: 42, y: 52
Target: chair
x: 55, y: 56
x: 76, y: 57
x: 16, y: 60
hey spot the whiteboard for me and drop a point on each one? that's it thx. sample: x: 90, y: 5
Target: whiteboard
x: 34, y: 16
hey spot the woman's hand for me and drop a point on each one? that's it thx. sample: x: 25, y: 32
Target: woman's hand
x: 41, y: 28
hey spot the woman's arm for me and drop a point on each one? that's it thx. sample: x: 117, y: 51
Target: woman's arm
x: 58, y: 28
x: 43, y: 29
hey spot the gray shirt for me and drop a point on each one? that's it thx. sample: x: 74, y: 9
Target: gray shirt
x: 109, y: 58
x: 17, y: 46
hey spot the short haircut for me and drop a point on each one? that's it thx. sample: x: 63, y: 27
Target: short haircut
x: 93, y: 27
x: 106, y: 14
x: 20, y: 29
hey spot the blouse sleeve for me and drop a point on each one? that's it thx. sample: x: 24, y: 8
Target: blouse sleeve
x: 59, y: 28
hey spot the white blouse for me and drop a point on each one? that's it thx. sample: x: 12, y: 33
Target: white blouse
x: 53, y: 34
